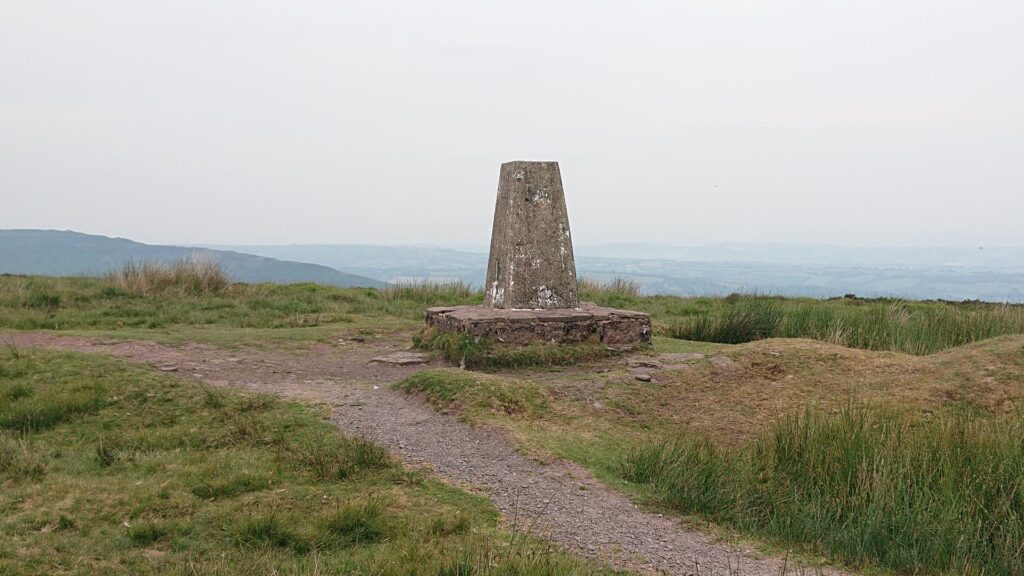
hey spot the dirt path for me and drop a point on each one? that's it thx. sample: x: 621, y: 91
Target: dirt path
x: 560, y: 501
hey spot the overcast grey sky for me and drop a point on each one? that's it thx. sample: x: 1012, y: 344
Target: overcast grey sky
x: 861, y: 122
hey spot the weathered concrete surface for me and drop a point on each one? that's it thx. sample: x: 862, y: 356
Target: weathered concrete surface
x: 531, y: 263
x: 619, y: 329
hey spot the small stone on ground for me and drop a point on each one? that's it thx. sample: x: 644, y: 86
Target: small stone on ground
x: 643, y: 377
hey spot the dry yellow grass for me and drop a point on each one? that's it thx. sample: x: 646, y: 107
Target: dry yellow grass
x: 767, y: 379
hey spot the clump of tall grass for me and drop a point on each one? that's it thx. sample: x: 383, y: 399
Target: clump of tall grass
x: 883, y: 324
x: 334, y: 457
x: 617, y: 287
x: 428, y: 293
x: 738, y: 322
x: 19, y: 460
x: 187, y: 277
x: 943, y: 496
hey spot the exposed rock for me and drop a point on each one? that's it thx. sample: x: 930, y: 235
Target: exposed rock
x: 402, y: 358
x: 169, y: 368
x: 643, y: 377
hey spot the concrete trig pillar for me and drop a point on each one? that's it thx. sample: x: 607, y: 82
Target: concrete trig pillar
x: 531, y: 263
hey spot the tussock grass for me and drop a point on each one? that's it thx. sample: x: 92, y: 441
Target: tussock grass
x: 430, y: 293
x: 880, y: 324
x: 359, y: 522
x: 940, y: 496
x: 618, y: 287
x: 333, y: 457
x: 190, y: 276
x: 18, y: 459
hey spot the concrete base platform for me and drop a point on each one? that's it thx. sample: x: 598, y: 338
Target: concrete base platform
x: 618, y: 329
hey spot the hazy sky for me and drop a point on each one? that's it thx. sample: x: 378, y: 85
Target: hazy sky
x: 863, y: 122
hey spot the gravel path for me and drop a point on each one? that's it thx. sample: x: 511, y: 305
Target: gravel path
x: 559, y: 501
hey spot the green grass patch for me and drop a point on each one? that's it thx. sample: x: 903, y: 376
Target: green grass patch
x: 875, y: 324
x: 192, y: 305
x: 941, y: 496
x: 157, y: 473
x: 153, y: 299
x: 476, y: 394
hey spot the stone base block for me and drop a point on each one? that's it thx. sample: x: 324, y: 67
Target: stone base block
x: 618, y: 329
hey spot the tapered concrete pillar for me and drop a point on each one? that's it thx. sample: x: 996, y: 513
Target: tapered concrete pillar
x: 531, y: 263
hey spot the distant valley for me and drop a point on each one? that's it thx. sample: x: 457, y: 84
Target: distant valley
x: 993, y: 274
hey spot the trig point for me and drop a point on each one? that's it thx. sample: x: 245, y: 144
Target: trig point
x: 531, y: 264
x: 530, y: 292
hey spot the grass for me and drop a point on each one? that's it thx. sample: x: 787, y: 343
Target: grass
x: 925, y: 478
x: 767, y: 449
x: 192, y: 277
x: 159, y: 475
x: 878, y: 324
x: 471, y: 393
x: 186, y: 302
x: 183, y: 303
x: 943, y: 496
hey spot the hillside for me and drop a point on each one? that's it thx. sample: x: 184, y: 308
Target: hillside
x: 66, y: 253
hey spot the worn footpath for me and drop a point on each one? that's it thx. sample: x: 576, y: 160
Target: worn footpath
x: 558, y: 501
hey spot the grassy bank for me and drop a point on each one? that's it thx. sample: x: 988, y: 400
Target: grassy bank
x: 942, y: 496
x: 111, y: 468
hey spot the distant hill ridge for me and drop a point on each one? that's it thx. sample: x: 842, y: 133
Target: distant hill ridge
x: 68, y: 253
